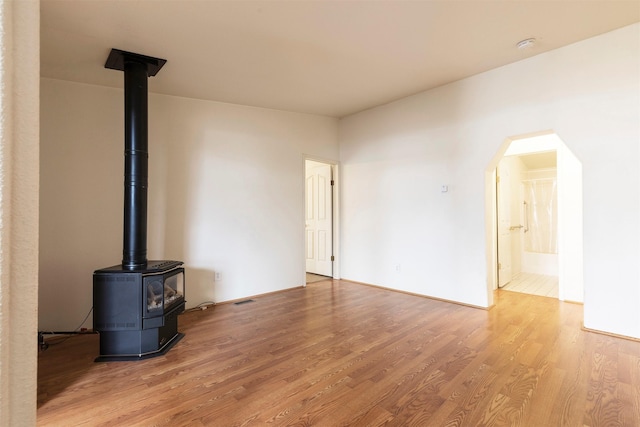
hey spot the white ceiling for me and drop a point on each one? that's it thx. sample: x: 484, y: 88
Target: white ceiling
x: 543, y: 160
x: 331, y: 58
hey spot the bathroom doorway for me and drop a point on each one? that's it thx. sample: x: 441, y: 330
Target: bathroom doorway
x: 527, y: 222
x: 536, y: 191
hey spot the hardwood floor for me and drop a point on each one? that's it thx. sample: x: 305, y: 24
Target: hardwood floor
x: 339, y: 353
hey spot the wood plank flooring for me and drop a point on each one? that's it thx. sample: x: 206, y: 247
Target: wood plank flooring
x: 338, y: 353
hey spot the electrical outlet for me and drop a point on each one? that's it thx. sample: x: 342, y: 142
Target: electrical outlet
x: 217, y: 276
x: 398, y: 269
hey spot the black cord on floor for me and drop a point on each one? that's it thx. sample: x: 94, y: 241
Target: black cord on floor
x: 44, y: 345
x: 201, y: 306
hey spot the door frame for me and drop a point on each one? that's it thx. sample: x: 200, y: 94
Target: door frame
x: 501, y: 194
x: 335, y: 210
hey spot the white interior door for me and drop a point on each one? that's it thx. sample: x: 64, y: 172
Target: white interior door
x: 318, y: 212
x: 504, y: 223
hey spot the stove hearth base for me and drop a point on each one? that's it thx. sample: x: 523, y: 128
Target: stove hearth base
x: 135, y: 357
x: 121, y: 346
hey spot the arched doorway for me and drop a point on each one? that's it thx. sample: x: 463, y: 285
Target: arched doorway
x: 563, y: 244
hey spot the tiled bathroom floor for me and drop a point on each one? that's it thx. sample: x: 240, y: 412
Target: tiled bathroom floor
x: 535, y: 284
x: 311, y: 278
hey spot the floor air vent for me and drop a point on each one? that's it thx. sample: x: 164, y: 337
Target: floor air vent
x: 244, y: 302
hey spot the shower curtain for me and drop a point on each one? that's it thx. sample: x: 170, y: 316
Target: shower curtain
x: 541, y: 216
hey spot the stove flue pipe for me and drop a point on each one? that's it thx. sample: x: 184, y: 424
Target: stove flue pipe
x: 137, y: 68
x: 136, y: 160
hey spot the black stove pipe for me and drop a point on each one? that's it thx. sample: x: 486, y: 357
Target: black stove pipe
x: 137, y: 68
x: 136, y: 159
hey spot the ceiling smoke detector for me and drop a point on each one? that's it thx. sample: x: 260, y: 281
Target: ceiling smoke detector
x: 526, y: 43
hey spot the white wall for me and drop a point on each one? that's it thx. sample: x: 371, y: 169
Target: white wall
x: 396, y: 157
x: 226, y: 194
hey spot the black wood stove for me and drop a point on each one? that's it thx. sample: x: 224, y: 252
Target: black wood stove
x: 136, y: 304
